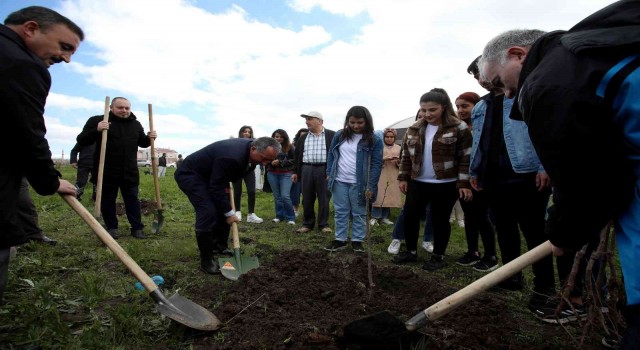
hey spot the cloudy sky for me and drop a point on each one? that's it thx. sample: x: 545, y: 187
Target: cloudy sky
x: 210, y: 66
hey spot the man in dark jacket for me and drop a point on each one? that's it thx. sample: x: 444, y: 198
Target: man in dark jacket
x: 81, y: 158
x: 579, y: 93
x: 204, y: 177
x: 31, y: 40
x: 311, y: 168
x: 162, y: 165
x: 125, y: 134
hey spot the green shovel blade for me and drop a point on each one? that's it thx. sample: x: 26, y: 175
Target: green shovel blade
x: 157, y: 221
x: 233, y: 268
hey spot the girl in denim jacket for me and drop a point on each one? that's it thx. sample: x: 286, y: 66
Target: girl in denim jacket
x: 353, y: 169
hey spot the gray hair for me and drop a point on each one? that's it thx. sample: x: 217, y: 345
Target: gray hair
x: 45, y: 18
x: 496, y: 48
x: 262, y: 143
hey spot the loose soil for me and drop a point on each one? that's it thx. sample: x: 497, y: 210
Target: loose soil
x: 303, y: 300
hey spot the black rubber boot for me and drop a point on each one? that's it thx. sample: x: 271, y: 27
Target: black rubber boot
x: 205, y: 245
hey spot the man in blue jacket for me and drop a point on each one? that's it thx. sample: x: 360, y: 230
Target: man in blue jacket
x: 579, y: 92
x: 31, y: 40
x: 204, y: 177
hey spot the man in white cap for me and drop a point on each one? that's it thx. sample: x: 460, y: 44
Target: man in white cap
x: 311, y: 165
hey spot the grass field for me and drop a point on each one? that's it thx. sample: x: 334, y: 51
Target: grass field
x: 78, y: 295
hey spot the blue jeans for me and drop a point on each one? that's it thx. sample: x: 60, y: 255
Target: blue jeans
x: 345, y: 205
x: 380, y: 213
x: 281, y: 189
x: 398, y: 228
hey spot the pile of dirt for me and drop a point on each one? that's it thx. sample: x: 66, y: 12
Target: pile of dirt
x: 303, y: 300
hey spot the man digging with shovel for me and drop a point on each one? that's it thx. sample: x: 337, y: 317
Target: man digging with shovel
x: 204, y: 177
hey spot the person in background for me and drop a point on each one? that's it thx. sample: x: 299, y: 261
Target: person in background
x: 311, y: 168
x: 125, y: 134
x: 354, y: 164
x: 279, y: 173
x: 162, y: 165
x: 578, y: 93
x: 205, y: 176
x: 81, y: 158
x: 246, y: 132
x: 179, y: 161
x: 29, y: 216
x: 388, y: 190
x: 433, y: 169
x: 397, y: 235
x: 296, y: 186
x: 476, y: 211
x: 31, y: 40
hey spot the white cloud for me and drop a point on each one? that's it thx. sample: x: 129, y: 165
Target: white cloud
x: 217, y: 72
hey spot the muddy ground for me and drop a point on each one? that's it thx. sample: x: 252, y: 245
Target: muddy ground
x: 303, y: 300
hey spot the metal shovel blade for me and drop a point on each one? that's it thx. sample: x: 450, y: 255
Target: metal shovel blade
x: 233, y: 268
x: 157, y: 221
x: 185, y: 311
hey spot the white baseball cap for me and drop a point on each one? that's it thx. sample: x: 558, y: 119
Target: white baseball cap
x: 312, y: 114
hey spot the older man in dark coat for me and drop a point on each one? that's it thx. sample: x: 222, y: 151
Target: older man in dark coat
x: 204, y: 177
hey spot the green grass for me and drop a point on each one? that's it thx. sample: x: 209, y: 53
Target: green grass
x: 78, y: 295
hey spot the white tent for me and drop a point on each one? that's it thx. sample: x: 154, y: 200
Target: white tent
x: 401, y: 127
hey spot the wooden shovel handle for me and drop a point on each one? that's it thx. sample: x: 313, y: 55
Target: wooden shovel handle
x: 103, y: 152
x: 106, y: 238
x: 234, y: 225
x: 467, y: 293
x: 154, y: 161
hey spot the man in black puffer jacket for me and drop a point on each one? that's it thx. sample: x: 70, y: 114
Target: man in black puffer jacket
x: 124, y: 137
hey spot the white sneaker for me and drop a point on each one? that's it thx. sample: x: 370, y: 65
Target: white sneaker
x: 253, y: 218
x: 387, y: 221
x: 428, y: 246
x: 239, y: 215
x: 291, y: 222
x: 297, y: 213
x: 276, y: 220
x: 461, y: 223
x: 394, y: 247
x: 373, y: 222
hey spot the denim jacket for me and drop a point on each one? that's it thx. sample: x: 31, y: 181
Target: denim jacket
x: 521, y: 153
x: 365, y: 152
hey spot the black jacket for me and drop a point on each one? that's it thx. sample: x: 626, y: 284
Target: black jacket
x: 124, y: 137
x: 162, y: 161
x: 213, y: 167
x: 571, y: 124
x: 24, y: 85
x: 299, y: 149
x: 82, y: 155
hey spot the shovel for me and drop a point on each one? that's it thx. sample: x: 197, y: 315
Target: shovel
x: 176, y: 307
x: 158, y: 220
x: 103, y: 152
x: 232, y: 268
x: 384, y: 328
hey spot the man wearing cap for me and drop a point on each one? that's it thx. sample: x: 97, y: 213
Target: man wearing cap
x: 311, y: 165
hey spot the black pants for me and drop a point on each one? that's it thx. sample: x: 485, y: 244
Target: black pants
x: 250, y: 183
x: 521, y: 207
x: 477, y: 223
x: 82, y: 177
x: 26, y: 211
x: 131, y: 206
x: 442, y: 197
x: 314, y: 186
